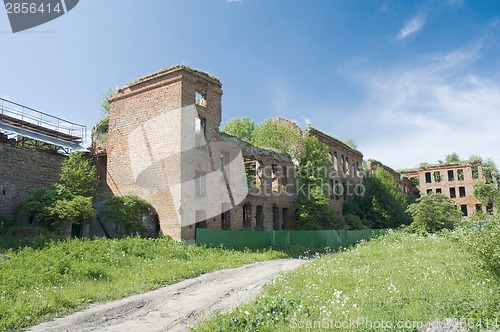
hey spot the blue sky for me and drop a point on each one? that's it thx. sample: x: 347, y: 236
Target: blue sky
x: 410, y: 81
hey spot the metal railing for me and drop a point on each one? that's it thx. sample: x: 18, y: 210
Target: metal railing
x: 31, y: 116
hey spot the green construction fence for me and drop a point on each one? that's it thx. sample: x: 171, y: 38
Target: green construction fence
x: 265, y: 239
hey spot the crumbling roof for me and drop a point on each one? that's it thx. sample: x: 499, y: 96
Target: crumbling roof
x: 173, y: 69
x: 252, y: 149
x: 312, y: 130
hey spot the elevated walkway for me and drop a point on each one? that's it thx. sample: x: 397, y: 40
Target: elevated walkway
x: 17, y: 119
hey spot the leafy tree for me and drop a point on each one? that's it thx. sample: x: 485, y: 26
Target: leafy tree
x: 70, y: 199
x: 383, y: 203
x: 78, y: 175
x: 485, y: 192
x: 452, y: 158
x: 77, y: 209
x: 126, y: 210
x: 278, y: 137
x: 432, y: 213
x: 314, y: 208
x: 240, y: 127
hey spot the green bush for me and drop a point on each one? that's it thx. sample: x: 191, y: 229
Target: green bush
x: 126, y: 210
x: 432, y: 213
x: 484, y: 241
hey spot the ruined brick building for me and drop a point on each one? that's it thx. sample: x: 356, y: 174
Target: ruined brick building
x: 455, y: 181
x: 158, y: 104
x: 164, y: 145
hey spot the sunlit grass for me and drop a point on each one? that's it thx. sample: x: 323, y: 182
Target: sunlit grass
x: 396, y: 279
x: 64, y: 276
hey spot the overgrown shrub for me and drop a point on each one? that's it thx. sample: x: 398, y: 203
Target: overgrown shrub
x: 128, y: 211
x: 483, y: 240
x: 432, y: 213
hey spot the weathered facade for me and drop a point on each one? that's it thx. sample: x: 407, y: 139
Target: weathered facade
x: 346, y: 173
x: 455, y: 181
x: 155, y: 150
x: 22, y: 169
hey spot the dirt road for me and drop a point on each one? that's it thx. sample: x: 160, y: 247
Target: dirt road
x: 175, y: 307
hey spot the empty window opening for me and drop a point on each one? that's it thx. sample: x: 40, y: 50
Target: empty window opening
x: 332, y: 188
x: 225, y: 218
x: 200, y: 98
x: 416, y: 181
x: 335, y: 161
x: 438, y: 191
x: 200, y: 130
x: 479, y: 208
x: 348, y: 166
x: 475, y: 171
x: 437, y: 176
x: 453, y: 193
x: 247, y: 216
x: 460, y: 174
x: 201, y: 219
x: 338, y: 190
x: 251, y: 167
x: 200, y: 183
x: 275, y: 177
x: 489, y: 208
x: 429, y: 191
x: 342, y: 161
x: 276, y: 218
x: 451, y: 175
x: 464, y: 210
x: 259, y: 218
x: 461, y: 191
x: 284, y: 220
x: 428, y: 177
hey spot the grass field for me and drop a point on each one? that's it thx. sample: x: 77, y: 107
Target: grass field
x: 399, y: 280
x: 64, y: 276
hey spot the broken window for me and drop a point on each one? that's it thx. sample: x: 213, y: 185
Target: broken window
x: 451, y: 175
x: 475, y: 171
x: 415, y: 180
x: 276, y: 212
x: 200, y: 98
x: 428, y: 177
x: 251, y: 172
x: 247, y: 216
x: 225, y: 222
x: 460, y: 174
x: 201, y: 219
x: 259, y: 218
x: 284, y: 219
x: 438, y: 191
x: 199, y: 130
x: 489, y: 208
x: 461, y: 191
x: 337, y: 190
x: 437, y: 176
x: 429, y: 191
x: 453, y: 193
x: 275, y: 175
x: 464, y: 210
x: 479, y: 207
x: 200, y: 183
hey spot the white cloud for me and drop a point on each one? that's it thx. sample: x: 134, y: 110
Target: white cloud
x: 423, y: 112
x: 411, y: 27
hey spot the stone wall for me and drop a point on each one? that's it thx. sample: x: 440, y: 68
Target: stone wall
x: 23, y: 169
